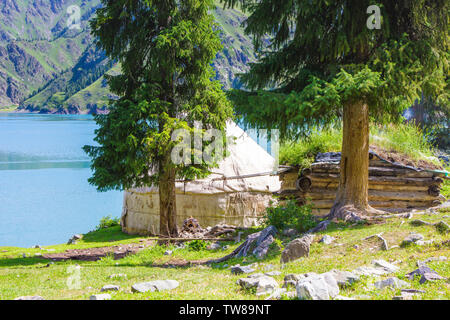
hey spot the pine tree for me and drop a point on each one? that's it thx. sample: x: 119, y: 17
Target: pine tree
x: 165, y: 49
x: 321, y: 61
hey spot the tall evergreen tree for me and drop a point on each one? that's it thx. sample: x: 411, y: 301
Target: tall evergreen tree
x: 165, y: 48
x: 328, y: 60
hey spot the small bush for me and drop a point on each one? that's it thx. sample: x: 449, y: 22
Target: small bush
x: 290, y: 215
x: 108, y: 222
x: 197, y: 245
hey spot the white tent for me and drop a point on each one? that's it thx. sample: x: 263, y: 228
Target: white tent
x: 214, y: 200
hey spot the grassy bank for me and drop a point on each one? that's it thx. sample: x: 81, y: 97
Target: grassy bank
x: 8, y: 108
x: 406, y: 140
x: 30, y: 276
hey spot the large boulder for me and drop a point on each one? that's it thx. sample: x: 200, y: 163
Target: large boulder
x: 297, y: 249
x: 318, y: 287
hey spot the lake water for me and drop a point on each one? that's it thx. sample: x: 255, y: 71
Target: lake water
x: 44, y: 194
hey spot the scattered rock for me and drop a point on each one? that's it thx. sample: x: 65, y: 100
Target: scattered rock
x: 404, y: 296
x: 158, y: 285
x: 327, y: 239
x: 36, y: 247
x: 412, y: 238
x: 369, y: 271
x: 290, y: 232
x: 30, y: 298
x: 263, y: 284
x: 290, y: 283
x: 441, y: 258
x: 424, y: 243
x: 215, y: 246
x: 277, y: 294
x: 391, y: 283
x: 104, y: 296
x: 344, y: 278
x: 319, y: 287
x: 426, y: 273
x: 75, y: 238
x: 414, y: 291
x: 296, y: 249
x: 237, y: 269
x: 168, y: 253
x: 110, y: 287
x: 390, y: 268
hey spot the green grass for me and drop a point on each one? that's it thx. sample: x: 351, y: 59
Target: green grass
x: 404, y: 139
x: 8, y: 108
x: 29, y: 276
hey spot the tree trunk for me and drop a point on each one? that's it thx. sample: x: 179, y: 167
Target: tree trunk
x: 352, y: 197
x: 167, y: 198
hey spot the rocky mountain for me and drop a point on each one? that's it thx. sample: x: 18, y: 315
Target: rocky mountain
x: 47, y: 67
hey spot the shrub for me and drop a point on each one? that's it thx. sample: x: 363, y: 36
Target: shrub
x: 108, y: 222
x: 290, y: 215
x: 197, y: 245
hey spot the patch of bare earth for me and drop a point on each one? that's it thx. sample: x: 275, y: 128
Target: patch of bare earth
x: 396, y: 157
x: 95, y: 254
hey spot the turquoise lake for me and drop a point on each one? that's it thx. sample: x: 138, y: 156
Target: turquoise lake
x: 44, y: 194
x: 45, y: 197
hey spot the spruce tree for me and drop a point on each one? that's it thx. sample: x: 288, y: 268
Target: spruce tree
x: 165, y: 49
x: 323, y: 61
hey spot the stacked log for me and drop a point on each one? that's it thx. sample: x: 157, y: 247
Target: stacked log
x: 392, y: 187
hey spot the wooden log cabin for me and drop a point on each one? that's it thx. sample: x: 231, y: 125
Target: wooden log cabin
x: 393, y: 187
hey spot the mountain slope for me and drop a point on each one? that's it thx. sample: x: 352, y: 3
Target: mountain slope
x: 47, y: 68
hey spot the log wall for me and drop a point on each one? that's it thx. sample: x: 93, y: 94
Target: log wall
x: 392, y: 187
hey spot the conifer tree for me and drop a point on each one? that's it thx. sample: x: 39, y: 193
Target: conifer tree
x: 165, y: 49
x: 322, y: 61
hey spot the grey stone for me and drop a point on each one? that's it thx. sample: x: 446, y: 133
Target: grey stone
x: 296, y: 249
x: 369, y: 271
x: 426, y: 273
x: 412, y: 238
x: 392, y: 283
x: 425, y: 243
x: 277, y: 294
x: 390, y: 268
x: 237, y: 269
x: 110, y: 287
x: 168, y: 253
x: 290, y: 232
x: 266, y: 285
x: 263, y: 284
x: 404, y: 296
x: 215, y: 246
x: 327, y: 239
x: 319, y: 287
x: 413, y: 291
x: 256, y: 275
x: 344, y: 278
x: 157, y: 285
x: 289, y: 283
x: 29, y: 298
x: 104, y: 296
x: 293, y: 277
